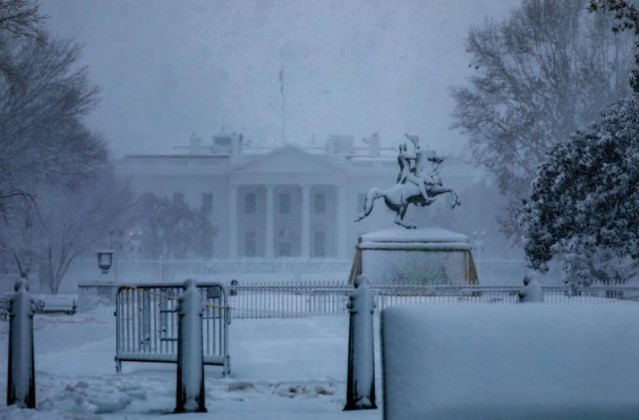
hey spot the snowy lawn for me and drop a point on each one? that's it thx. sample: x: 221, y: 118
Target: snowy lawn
x: 281, y: 369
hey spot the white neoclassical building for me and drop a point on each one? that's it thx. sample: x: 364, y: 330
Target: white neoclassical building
x: 279, y: 203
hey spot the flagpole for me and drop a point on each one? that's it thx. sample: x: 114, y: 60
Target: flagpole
x: 283, y: 105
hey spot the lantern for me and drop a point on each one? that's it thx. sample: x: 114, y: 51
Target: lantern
x: 105, y: 260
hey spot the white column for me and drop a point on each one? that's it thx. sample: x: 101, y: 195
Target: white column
x: 269, y: 244
x: 341, y: 222
x: 306, y: 224
x: 233, y: 222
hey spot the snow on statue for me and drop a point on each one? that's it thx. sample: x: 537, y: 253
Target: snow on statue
x: 414, y: 185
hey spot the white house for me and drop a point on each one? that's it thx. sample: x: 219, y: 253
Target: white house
x: 281, y: 203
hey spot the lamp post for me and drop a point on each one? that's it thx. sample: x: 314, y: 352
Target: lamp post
x: 115, y: 237
x: 105, y: 260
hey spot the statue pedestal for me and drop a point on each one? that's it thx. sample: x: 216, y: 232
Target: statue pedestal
x: 426, y: 256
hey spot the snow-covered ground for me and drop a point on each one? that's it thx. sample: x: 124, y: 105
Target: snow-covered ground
x: 281, y: 369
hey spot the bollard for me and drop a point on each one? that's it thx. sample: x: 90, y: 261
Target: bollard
x: 532, y: 291
x: 21, y: 372
x: 360, y: 384
x: 190, y: 394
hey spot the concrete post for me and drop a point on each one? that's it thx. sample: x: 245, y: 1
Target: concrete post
x: 190, y: 394
x: 21, y: 372
x: 360, y: 383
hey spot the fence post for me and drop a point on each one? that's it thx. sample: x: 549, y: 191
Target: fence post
x: 532, y: 291
x: 190, y: 392
x: 360, y: 384
x: 21, y: 372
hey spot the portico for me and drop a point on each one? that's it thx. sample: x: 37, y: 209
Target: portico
x: 296, y: 213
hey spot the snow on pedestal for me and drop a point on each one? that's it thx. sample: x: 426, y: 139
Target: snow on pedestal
x: 510, y: 361
x: 190, y: 395
x: 21, y: 373
x: 424, y: 256
x: 360, y: 384
x: 531, y: 292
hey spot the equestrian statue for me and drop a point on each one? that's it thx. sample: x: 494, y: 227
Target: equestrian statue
x: 414, y: 185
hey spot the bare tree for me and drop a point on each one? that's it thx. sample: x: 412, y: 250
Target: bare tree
x: 75, y: 219
x: 19, y: 20
x: 626, y: 16
x: 54, y: 187
x: 171, y: 231
x: 538, y: 76
x: 42, y: 137
x: 20, y: 236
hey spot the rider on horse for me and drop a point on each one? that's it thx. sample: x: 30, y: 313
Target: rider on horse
x: 417, y: 174
x: 423, y: 186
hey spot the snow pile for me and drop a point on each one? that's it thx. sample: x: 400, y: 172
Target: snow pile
x: 507, y: 361
x: 86, y: 397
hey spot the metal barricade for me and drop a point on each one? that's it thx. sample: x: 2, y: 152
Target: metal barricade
x: 146, y: 324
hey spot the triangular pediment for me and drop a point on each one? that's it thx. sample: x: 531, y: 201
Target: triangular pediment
x: 287, y: 159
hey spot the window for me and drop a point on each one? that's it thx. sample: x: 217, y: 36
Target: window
x: 249, y: 203
x: 285, y: 203
x: 319, y: 203
x: 250, y: 248
x: 207, y: 203
x: 319, y: 239
x: 178, y: 198
x: 361, y: 200
x: 222, y: 141
x: 285, y: 249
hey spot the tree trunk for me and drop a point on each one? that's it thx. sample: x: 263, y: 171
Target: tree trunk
x: 50, y: 279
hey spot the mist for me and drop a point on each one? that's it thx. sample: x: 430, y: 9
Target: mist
x: 168, y: 69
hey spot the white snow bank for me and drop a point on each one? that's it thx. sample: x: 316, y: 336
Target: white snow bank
x: 511, y: 361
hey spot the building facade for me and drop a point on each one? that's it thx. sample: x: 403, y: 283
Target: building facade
x: 280, y: 203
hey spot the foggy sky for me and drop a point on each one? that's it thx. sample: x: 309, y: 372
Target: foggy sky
x: 169, y: 68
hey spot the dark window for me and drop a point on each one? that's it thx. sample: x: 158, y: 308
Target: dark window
x: 285, y: 203
x: 319, y: 203
x: 285, y: 249
x: 222, y: 141
x: 319, y: 239
x: 207, y: 202
x: 250, y: 248
x: 249, y: 203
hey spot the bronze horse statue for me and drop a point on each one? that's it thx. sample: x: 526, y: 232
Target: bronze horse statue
x: 414, y: 185
x: 399, y: 196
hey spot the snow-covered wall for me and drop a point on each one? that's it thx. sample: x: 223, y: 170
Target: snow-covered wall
x: 511, y: 361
